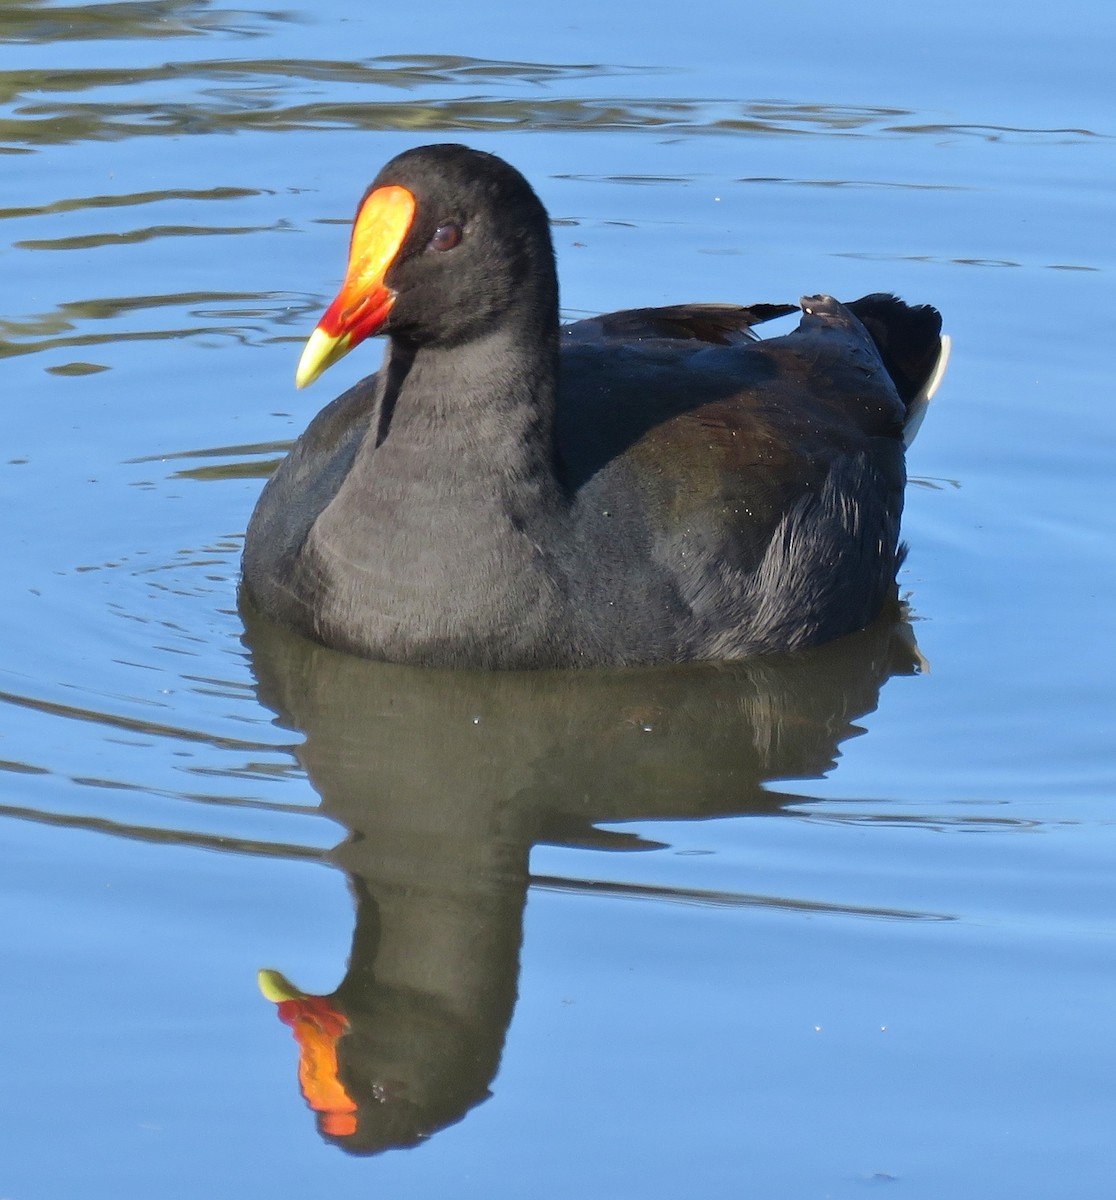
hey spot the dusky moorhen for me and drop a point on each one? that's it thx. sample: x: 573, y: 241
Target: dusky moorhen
x: 649, y: 486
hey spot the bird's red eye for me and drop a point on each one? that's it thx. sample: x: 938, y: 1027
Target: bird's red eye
x: 446, y: 236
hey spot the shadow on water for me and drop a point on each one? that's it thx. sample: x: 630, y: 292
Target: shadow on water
x: 444, y: 782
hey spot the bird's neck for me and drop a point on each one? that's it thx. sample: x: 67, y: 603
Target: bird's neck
x: 453, y: 493
x: 482, y: 413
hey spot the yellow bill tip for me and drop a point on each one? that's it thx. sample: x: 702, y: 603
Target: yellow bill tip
x: 320, y: 352
x: 276, y: 987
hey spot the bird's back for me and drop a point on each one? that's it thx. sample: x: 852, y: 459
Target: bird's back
x: 759, y: 482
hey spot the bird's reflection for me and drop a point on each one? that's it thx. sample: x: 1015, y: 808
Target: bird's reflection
x: 445, y: 780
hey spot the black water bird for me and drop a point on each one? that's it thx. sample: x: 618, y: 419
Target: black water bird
x: 650, y: 486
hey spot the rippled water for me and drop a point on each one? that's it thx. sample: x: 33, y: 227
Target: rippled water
x: 781, y: 929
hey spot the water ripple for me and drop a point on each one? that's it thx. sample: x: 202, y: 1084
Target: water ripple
x: 78, y: 203
x: 36, y: 24
x: 271, y: 95
x: 249, y: 318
